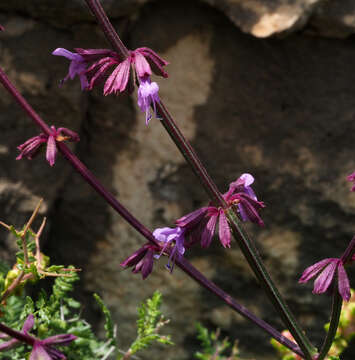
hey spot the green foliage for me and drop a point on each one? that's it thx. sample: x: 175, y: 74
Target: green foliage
x: 213, y: 348
x: 150, y: 320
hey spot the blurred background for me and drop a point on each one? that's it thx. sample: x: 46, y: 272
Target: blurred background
x: 259, y: 86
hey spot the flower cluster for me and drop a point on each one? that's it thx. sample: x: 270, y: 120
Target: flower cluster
x: 41, y: 349
x: 31, y: 147
x: 91, y: 65
x: 200, y: 225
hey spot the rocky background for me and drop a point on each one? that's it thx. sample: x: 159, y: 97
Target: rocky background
x: 259, y: 86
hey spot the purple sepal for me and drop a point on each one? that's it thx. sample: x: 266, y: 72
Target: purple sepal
x: 327, y: 269
x: 142, y: 260
x: 343, y: 282
x: 325, y: 278
x: 209, y: 230
x: 223, y: 230
x: 190, y: 220
x: 61, y: 339
x: 154, y: 60
x: 141, y: 64
x: 51, y: 150
x: 118, y: 80
x: 31, y: 147
x: 314, y: 269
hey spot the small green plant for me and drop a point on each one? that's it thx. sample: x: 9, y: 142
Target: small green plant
x: 213, y: 348
x: 150, y: 321
x: 57, y: 315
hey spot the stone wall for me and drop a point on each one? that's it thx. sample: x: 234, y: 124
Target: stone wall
x: 281, y: 108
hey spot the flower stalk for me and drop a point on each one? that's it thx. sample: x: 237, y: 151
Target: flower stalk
x: 115, y: 204
x: 191, y: 157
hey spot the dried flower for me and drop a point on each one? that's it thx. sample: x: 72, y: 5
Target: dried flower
x: 200, y: 224
x: 31, y: 147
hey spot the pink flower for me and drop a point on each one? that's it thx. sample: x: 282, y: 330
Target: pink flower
x: 31, y: 147
x: 200, y: 225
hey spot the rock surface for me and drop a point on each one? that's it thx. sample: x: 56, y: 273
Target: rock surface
x: 281, y: 109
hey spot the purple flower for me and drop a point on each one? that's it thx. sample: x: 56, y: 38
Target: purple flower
x: 147, y: 95
x: 31, y: 147
x: 144, y: 60
x: 142, y: 260
x: 41, y: 349
x: 2, y: 28
x: 200, y: 225
x: 327, y: 269
x: 241, y: 193
x: 174, y: 239
x: 77, y: 66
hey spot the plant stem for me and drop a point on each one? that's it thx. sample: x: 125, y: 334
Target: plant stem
x: 333, y: 326
x: 182, y: 263
x: 191, y: 157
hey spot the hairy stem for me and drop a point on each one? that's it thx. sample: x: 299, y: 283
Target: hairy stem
x: 182, y: 263
x: 200, y: 171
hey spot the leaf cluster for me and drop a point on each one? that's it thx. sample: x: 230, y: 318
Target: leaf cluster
x: 213, y: 348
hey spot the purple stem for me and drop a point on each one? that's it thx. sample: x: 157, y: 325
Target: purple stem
x: 349, y: 251
x: 182, y: 263
x: 17, y: 334
x: 192, y: 159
